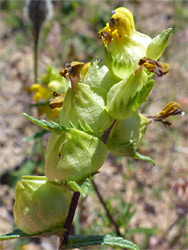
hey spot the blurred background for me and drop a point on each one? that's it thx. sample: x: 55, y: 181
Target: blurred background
x: 148, y: 204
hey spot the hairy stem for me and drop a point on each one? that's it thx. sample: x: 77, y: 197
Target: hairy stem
x: 110, y: 217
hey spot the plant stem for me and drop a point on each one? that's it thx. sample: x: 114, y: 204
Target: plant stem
x: 106, y: 209
x: 68, y: 223
x: 74, y: 202
x: 36, y: 42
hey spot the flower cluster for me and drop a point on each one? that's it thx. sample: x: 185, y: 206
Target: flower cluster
x: 97, y: 114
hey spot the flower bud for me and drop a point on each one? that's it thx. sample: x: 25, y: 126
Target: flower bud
x: 73, y: 156
x: 38, y: 11
x: 127, y: 135
x: 40, y: 205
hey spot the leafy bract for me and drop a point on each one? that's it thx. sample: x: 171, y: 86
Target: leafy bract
x: 107, y: 240
x: 82, y: 188
x: 141, y: 157
x: 78, y: 241
x: 51, y: 126
x: 18, y: 234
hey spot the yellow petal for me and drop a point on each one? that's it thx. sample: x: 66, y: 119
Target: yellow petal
x: 120, y: 22
x: 84, y: 70
x: 41, y: 92
x: 128, y: 14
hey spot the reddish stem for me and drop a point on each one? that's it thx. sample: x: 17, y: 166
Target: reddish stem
x: 68, y: 223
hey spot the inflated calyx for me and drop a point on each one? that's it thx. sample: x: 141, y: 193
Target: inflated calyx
x: 40, y: 205
x: 73, y: 156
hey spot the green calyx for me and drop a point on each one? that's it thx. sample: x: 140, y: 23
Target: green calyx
x: 123, y: 56
x: 87, y: 109
x: 40, y: 205
x: 125, y: 97
x: 127, y: 135
x: 74, y: 156
x: 157, y: 46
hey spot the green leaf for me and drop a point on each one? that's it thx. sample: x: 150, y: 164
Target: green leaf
x: 157, y: 46
x: 35, y: 135
x: 129, y: 216
x: 139, y: 156
x: 83, y: 188
x: 51, y: 126
x: 107, y: 240
x: 17, y: 234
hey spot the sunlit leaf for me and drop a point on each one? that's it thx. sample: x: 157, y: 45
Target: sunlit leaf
x: 107, y: 240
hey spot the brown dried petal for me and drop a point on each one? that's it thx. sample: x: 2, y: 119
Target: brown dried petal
x: 75, y: 68
x: 57, y: 102
x: 171, y: 109
x: 73, y: 72
x: 159, y: 68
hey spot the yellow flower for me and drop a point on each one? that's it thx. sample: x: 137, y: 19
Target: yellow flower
x: 120, y: 24
x: 40, y: 91
x: 51, y: 114
x: 128, y: 14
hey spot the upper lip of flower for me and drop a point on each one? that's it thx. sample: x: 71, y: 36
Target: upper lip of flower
x: 121, y: 23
